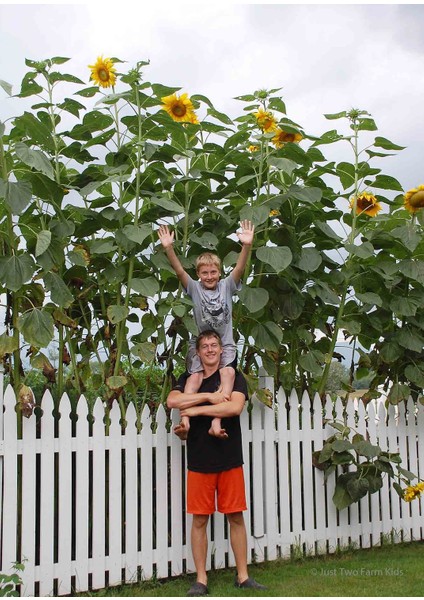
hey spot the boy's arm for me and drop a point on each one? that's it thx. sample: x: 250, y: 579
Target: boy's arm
x: 246, y: 238
x: 167, y: 240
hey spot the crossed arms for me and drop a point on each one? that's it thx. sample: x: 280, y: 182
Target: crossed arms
x: 191, y: 405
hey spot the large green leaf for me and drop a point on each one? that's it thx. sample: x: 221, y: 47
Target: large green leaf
x: 256, y: 214
x: 37, y: 327
x: 409, y: 339
x: 386, y: 182
x: 60, y: 293
x: 8, y: 344
x: 17, y: 195
x: 16, y: 270
x: 35, y: 159
x: 148, y: 286
x: 267, y: 336
x: 137, y: 233
x: 310, y: 259
x: 145, y: 352
x: 254, y: 298
x: 309, y: 362
x: 278, y: 257
x: 117, y: 313
x: 37, y: 131
x: 168, y: 205
x: 44, y: 238
x: 346, y: 173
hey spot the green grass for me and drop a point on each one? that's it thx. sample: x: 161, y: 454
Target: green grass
x: 392, y: 570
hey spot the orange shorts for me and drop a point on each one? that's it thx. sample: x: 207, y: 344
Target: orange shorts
x: 227, y: 486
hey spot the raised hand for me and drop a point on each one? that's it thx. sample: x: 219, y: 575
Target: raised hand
x: 166, y: 237
x: 247, y: 232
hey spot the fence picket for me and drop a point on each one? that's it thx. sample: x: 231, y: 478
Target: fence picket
x: 63, y: 567
x: 28, y: 540
x: 81, y: 506
x: 115, y: 496
x: 146, y: 500
x: 161, y: 496
x: 131, y: 520
x: 47, y: 478
x: 111, y: 506
x: 98, y: 461
x: 10, y: 469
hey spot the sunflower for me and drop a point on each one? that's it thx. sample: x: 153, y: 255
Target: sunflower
x: 366, y: 203
x: 413, y: 491
x: 103, y: 72
x: 266, y: 120
x: 414, y: 199
x: 180, y: 108
x: 281, y: 137
x: 253, y: 148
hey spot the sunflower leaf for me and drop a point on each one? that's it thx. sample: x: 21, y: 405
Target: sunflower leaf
x: 381, y: 142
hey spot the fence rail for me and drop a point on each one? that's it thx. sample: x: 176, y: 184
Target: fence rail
x: 85, y: 509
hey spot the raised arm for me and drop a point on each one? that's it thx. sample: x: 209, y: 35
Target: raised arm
x: 246, y: 238
x: 166, y: 238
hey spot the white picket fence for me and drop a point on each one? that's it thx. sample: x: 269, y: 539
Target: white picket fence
x: 97, y: 510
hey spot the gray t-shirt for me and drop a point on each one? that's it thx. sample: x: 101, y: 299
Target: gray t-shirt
x: 213, y: 308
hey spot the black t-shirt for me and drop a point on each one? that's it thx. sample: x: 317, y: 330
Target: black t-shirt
x: 207, y: 453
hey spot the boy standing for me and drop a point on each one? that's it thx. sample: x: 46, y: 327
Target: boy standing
x: 212, y: 299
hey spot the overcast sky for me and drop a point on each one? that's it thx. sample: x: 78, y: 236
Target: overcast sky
x: 327, y: 58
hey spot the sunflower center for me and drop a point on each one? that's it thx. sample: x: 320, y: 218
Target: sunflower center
x: 179, y: 110
x: 365, y: 203
x: 417, y: 200
x: 103, y: 74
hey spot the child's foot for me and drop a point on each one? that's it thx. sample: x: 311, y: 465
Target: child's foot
x: 218, y: 432
x: 181, y: 431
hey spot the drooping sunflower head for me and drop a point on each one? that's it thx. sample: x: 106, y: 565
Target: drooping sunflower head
x: 281, y: 137
x: 103, y: 72
x: 413, y: 491
x: 266, y: 120
x: 414, y: 199
x: 180, y: 108
x: 366, y: 204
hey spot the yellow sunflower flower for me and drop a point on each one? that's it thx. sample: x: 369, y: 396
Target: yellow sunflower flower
x: 253, y: 148
x: 366, y: 203
x: 413, y: 491
x: 281, y: 137
x: 414, y: 199
x: 266, y: 120
x: 103, y: 72
x: 274, y: 213
x: 180, y: 108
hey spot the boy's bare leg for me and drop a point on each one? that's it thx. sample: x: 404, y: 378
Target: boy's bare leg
x: 228, y: 376
x: 192, y: 386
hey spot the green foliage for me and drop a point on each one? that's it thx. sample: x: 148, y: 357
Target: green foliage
x: 86, y: 175
x: 363, y: 465
x: 9, y: 583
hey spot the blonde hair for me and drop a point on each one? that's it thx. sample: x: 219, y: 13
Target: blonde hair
x: 207, y: 258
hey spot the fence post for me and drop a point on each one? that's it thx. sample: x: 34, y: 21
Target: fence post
x: 1, y: 461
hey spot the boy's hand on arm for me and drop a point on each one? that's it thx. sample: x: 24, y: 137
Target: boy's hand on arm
x: 246, y: 238
x: 247, y: 233
x: 166, y: 238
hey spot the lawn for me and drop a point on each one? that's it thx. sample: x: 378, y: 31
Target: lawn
x: 392, y: 570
